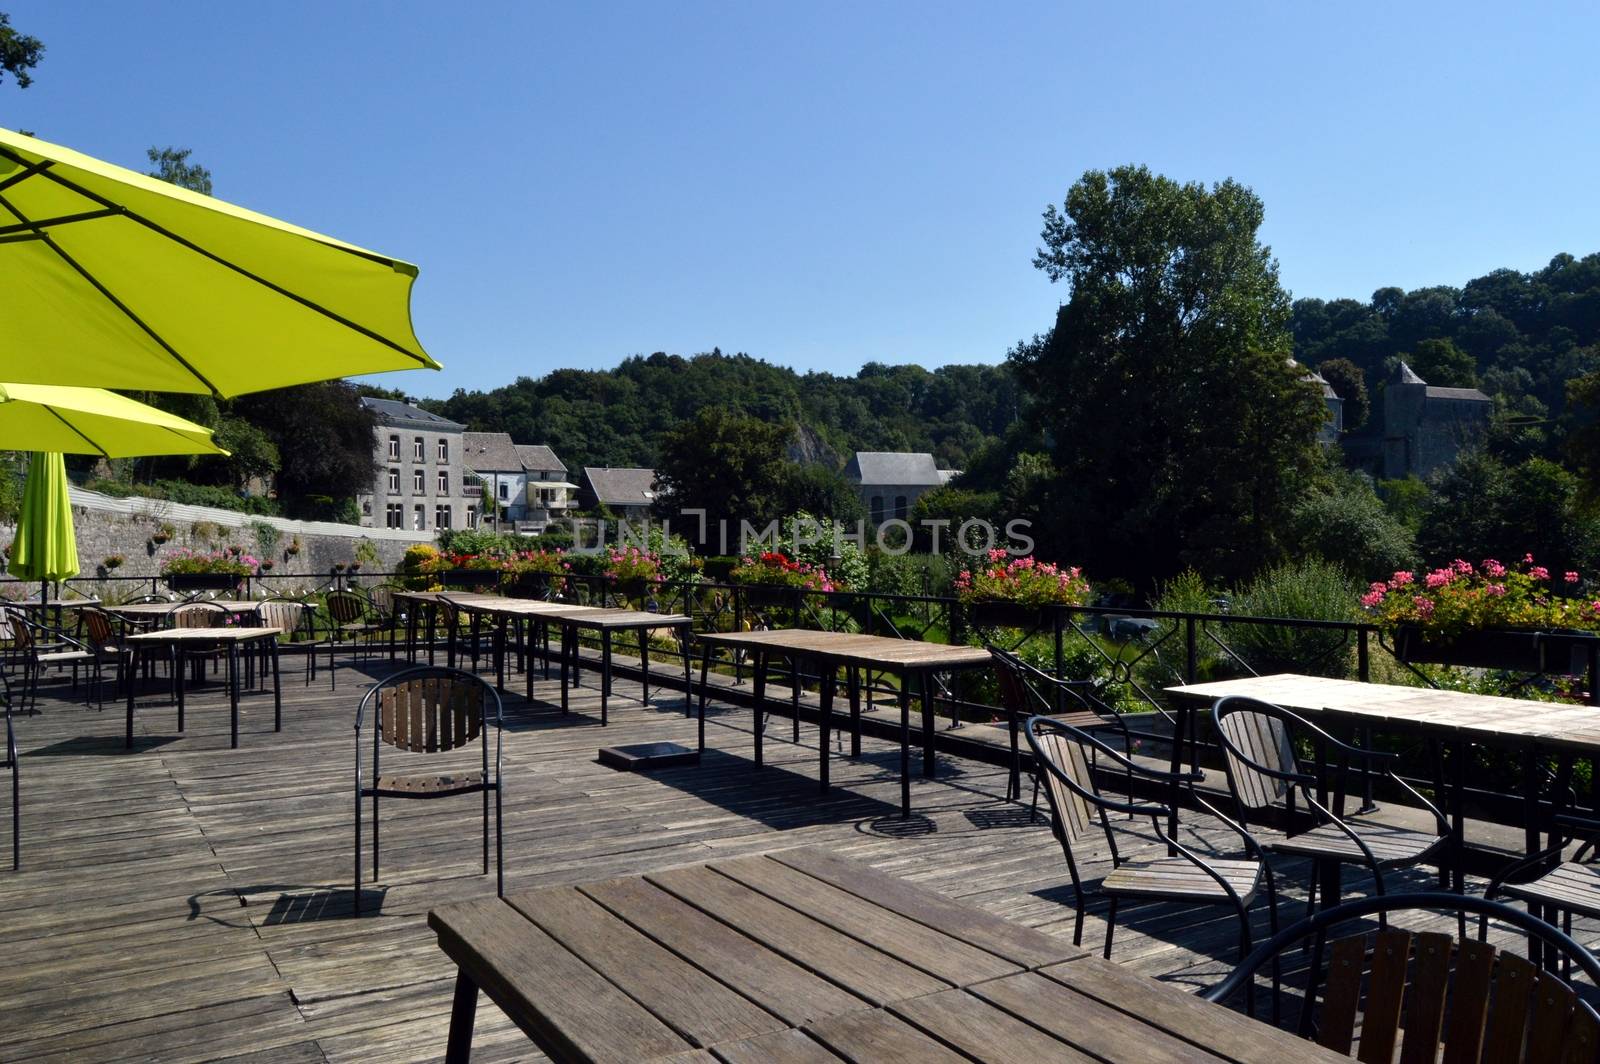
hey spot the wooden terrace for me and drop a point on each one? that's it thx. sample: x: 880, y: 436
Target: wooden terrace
x: 187, y: 901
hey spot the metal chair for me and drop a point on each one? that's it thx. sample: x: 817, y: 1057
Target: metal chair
x: 1547, y: 881
x: 11, y: 763
x: 350, y: 618
x: 1427, y: 991
x: 38, y: 647
x: 427, y: 710
x: 1264, y: 775
x: 1022, y: 696
x: 100, y: 634
x: 1062, y: 753
x: 294, y: 619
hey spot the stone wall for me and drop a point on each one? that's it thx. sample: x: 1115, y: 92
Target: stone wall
x: 106, y: 527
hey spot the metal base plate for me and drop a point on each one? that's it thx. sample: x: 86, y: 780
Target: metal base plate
x: 641, y: 757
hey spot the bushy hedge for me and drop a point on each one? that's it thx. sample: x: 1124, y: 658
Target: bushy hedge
x: 181, y: 491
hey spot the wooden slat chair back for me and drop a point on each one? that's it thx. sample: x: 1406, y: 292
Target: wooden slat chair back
x: 382, y: 599
x: 1425, y: 993
x: 1022, y: 694
x: 347, y: 607
x: 1065, y: 757
x: 97, y: 625
x: 430, y: 710
x: 199, y: 615
x: 1264, y: 740
x: 286, y: 614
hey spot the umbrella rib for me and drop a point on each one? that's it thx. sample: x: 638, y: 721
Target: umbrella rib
x: 112, y: 299
x: 65, y: 219
x: 236, y: 268
x: 28, y: 170
x: 101, y: 451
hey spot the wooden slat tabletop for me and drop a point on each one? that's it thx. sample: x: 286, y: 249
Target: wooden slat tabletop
x: 875, y: 651
x: 204, y: 635
x: 1480, y: 718
x: 801, y: 955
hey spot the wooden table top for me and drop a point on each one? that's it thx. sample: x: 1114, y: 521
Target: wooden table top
x: 143, y: 609
x: 203, y: 635
x: 801, y: 954
x: 1483, y: 718
x: 871, y: 650
x: 611, y: 618
x: 501, y: 606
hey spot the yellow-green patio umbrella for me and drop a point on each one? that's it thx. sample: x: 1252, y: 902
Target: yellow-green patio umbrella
x: 45, y: 547
x: 112, y: 279
x: 49, y: 417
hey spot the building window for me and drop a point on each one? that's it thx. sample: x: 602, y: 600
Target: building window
x: 900, y: 507
x: 505, y: 490
x: 444, y: 482
x: 441, y: 516
x: 418, y: 450
x: 877, y: 509
x: 419, y: 483
x: 394, y: 448
x: 419, y: 518
x: 394, y: 482
x: 472, y: 516
x: 395, y: 516
x: 444, y: 450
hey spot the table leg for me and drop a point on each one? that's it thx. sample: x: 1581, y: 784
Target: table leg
x: 644, y: 664
x: 794, y: 696
x: 499, y: 658
x: 828, y: 681
x: 411, y: 632
x: 233, y: 694
x: 758, y: 694
x: 433, y: 620
x: 605, y: 676
x: 562, y: 649
x: 277, y: 687
x: 133, y: 682
x: 688, y: 672
x: 905, y: 747
x: 177, y: 672
x: 1181, y: 724
x: 462, y: 1014
x: 853, y: 684
x: 929, y: 761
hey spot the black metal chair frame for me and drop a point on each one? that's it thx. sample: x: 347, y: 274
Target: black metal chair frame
x: 303, y: 625
x: 348, y: 630
x: 31, y: 640
x: 1315, y: 928
x: 489, y: 782
x: 1304, y: 783
x: 1537, y: 865
x: 1081, y: 694
x: 197, y: 655
x: 11, y: 762
x: 104, y: 645
x: 1158, y: 813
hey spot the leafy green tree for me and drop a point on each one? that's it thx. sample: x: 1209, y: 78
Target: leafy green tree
x: 820, y: 491
x: 324, y: 439
x: 19, y: 53
x: 1348, y: 526
x: 1350, y: 384
x: 1485, y: 508
x: 172, y: 164
x: 1583, y: 434
x: 955, y: 506
x: 251, y: 452
x: 730, y: 465
x: 1407, y: 500
x: 1442, y: 363
x: 1180, y: 429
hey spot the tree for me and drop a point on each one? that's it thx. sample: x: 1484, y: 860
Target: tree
x: 1583, y: 434
x: 819, y: 491
x: 1442, y: 363
x: 19, y: 53
x: 1349, y: 383
x: 324, y: 439
x: 955, y: 506
x: 1180, y: 428
x: 172, y: 164
x: 730, y: 465
x: 1487, y: 509
x: 1348, y: 525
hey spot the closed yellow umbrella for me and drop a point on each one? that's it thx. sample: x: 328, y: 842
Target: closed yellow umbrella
x: 45, y: 548
x: 113, y: 279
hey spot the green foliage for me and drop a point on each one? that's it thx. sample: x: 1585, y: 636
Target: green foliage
x: 1407, y: 500
x: 252, y: 454
x: 819, y: 490
x: 730, y: 465
x: 955, y: 506
x: 173, y: 165
x: 815, y: 540
x: 910, y: 574
x: 1485, y: 508
x: 182, y: 491
x: 1181, y: 431
x: 366, y: 552
x: 1441, y: 362
x: 1311, y: 589
x: 1347, y: 380
x: 324, y: 437
x: 1348, y: 525
x: 1583, y: 435
x: 11, y: 480
x: 487, y: 541
x: 267, y: 537
x: 19, y: 53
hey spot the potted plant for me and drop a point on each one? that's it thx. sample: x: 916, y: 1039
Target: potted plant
x: 112, y: 562
x: 774, y: 579
x: 293, y: 548
x: 188, y: 570
x: 1489, y: 616
x: 537, y: 574
x: 475, y: 571
x: 163, y: 534
x: 1019, y: 592
x: 266, y: 565
x: 632, y: 570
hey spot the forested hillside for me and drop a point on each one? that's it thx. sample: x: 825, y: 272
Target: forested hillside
x: 617, y: 417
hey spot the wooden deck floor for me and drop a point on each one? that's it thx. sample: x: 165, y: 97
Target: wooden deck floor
x: 185, y: 901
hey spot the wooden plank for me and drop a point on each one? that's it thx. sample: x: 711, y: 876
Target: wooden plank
x: 562, y: 1003
x: 879, y: 1036
x: 864, y: 971
x: 774, y: 982
x: 786, y: 1047
x: 929, y: 949
x: 989, y: 1033
x: 1005, y: 938
x: 682, y: 996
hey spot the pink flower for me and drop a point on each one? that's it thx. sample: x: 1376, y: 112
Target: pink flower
x: 1496, y: 590
x: 1539, y: 572
x: 1527, y: 559
x: 1462, y: 566
x: 1438, y: 579
x: 1371, y: 599
x: 1493, y: 568
x: 1424, y: 606
x: 1571, y: 578
x: 1401, y: 578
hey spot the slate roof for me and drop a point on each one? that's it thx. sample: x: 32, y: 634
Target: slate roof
x: 621, y: 487
x: 1469, y: 394
x: 892, y: 468
x: 1404, y: 374
x: 404, y: 415
x: 538, y: 456
x: 490, y: 452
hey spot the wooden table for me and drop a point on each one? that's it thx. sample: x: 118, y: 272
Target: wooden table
x: 802, y: 955
x: 422, y: 603
x: 606, y: 623
x: 913, y: 661
x: 1456, y: 718
x: 505, y: 613
x: 180, y: 639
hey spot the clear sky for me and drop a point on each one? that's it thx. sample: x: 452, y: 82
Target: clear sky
x: 826, y: 184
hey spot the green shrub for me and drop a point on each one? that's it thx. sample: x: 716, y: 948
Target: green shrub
x: 181, y: 491
x: 1312, y: 589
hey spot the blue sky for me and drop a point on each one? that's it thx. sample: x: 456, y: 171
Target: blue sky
x: 827, y: 184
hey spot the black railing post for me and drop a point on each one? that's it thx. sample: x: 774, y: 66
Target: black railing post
x: 1191, y: 655
x: 1594, y: 673
x: 1061, y: 656
x: 1363, y: 658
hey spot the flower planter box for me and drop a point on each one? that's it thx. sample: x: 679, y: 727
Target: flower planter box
x: 203, y: 581
x: 1003, y: 613
x: 769, y: 594
x: 1511, y: 649
x: 473, y: 578
x: 541, y: 586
